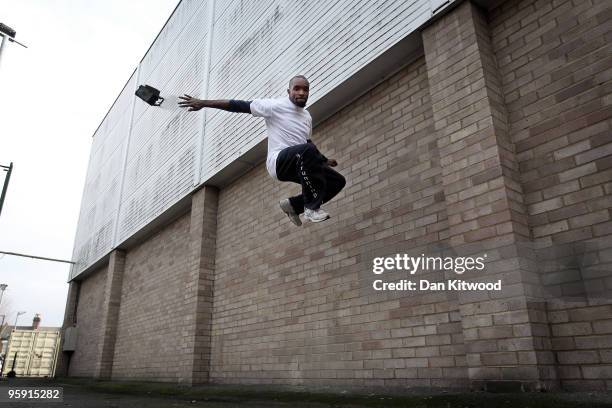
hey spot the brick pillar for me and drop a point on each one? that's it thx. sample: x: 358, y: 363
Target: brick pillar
x: 506, y: 334
x: 109, y: 315
x: 196, y: 335
x: 63, y: 358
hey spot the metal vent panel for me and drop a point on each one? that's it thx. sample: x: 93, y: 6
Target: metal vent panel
x: 161, y: 160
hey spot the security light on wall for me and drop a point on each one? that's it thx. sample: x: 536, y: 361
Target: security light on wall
x: 9, y: 33
x: 4, y: 29
x: 149, y: 94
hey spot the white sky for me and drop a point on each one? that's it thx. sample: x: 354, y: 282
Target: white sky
x: 53, y: 95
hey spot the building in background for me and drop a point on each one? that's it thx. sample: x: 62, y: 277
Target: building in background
x: 31, y: 350
x: 462, y: 128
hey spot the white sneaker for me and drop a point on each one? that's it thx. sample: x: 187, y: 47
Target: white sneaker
x: 287, y: 208
x: 315, y: 215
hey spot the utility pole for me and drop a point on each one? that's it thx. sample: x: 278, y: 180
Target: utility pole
x: 9, y: 170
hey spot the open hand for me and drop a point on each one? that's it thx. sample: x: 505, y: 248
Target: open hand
x: 332, y: 162
x: 190, y: 102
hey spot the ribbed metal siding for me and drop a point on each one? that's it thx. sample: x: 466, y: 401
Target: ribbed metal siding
x: 162, y: 155
x: 94, y: 237
x: 326, y: 41
x: 256, y: 47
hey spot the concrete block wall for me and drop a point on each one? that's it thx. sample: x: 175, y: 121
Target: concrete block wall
x: 496, y: 140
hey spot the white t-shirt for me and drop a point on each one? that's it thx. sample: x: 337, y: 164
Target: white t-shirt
x: 287, y: 125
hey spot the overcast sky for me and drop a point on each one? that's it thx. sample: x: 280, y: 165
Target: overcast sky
x: 53, y: 96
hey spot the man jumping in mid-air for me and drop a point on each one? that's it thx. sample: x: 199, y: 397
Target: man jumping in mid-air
x: 291, y: 154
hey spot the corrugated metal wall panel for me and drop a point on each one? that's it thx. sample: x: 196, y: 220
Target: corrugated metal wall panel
x: 327, y: 41
x: 101, y: 192
x: 256, y: 47
x: 161, y: 158
x: 175, y: 25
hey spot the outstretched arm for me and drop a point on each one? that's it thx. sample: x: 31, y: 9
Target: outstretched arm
x: 230, y: 105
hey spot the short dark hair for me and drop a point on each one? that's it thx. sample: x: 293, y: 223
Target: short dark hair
x: 298, y: 76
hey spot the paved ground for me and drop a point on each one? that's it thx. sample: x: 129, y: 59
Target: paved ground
x: 82, y: 396
x: 95, y: 394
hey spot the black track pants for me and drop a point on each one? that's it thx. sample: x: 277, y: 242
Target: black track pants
x: 305, y: 165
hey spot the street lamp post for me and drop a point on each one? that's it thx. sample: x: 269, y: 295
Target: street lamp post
x: 2, y: 289
x: 9, y: 170
x: 2, y: 43
x: 7, y: 34
x: 17, y: 317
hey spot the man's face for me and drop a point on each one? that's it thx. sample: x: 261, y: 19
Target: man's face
x: 298, y: 91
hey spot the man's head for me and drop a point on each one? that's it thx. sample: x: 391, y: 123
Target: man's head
x: 298, y: 90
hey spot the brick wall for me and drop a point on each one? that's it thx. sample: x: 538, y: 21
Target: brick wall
x: 582, y: 337
x: 497, y: 138
x: 555, y: 60
x: 91, y: 296
x: 152, y: 306
x: 504, y: 332
x: 556, y: 63
x: 294, y: 305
